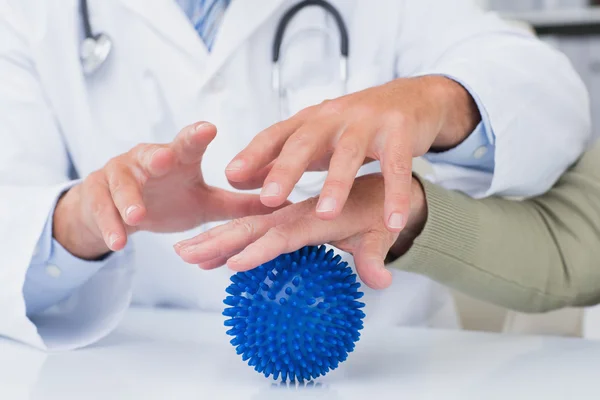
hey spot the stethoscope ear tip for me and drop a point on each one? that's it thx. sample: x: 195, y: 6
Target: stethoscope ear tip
x: 94, y: 52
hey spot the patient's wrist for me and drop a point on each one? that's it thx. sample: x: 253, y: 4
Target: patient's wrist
x: 416, y: 222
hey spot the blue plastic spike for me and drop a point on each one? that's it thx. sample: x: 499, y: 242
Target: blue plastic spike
x: 296, y: 317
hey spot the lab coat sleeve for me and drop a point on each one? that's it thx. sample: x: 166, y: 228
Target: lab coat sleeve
x: 34, y: 167
x: 475, y: 152
x: 538, y: 107
x: 54, y: 273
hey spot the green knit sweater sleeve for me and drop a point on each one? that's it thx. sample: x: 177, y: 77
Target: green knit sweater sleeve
x: 532, y: 256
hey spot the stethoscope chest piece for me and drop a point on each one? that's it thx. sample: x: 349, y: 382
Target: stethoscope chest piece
x: 94, y: 52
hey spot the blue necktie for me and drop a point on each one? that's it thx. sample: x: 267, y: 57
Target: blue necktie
x: 206, y: 16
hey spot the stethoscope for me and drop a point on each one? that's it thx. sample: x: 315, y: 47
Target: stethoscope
x: 279, y: 34
x: 97, y: 47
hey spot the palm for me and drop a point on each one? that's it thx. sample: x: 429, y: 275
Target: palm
x: 176, y: 202
x: 179, y: 199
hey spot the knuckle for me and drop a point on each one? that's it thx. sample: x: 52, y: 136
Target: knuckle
x: 115, y: 174
x: 140, y: 148
x: 331, y: 107
x: 94, y: 178
x: 399, y: 162
x: 98, y: 210
x: 112, y: 164
x: 396, y: 119
x: 118, y: 187
x: 338, y: 184
x: 281, y: 168
x: 139, y: 175
x: 364, y: 110
x: 141, y: 152
x: 245, y: 225
x: 300, y: 141
x: 265, y: 136
x: 304, y: 113
x: 349, y: 149
x: 401, y: 171
x: 399, y: 199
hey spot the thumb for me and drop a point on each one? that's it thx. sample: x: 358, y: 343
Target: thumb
x: 224, y: 205
x: 369, y: 259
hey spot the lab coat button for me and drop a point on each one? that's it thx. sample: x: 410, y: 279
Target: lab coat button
x: 53, y: 271
x: 480, y: 152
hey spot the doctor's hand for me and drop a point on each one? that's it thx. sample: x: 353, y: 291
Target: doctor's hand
x: 248, y: 242
x: 391, y: 123
x: 152, y: 187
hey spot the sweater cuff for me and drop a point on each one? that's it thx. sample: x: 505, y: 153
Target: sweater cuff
x: 450, y: 233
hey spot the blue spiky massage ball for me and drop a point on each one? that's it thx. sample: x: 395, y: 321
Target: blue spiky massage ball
x: 295, y: 317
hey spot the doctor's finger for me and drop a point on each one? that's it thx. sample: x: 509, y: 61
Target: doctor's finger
x: 396, y: 166
x: 226, y: 205
x: 191, y: 142
x: 264, y: 148
x: 369, y: 259
x: 309, y: 142
x: 347, y: 158
x: 106, y: 216
x: 256, y: 181
x: 126, y: 192
x: 152, y: 160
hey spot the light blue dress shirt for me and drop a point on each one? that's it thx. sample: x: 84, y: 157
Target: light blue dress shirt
x: 206, y: 16
x: 54, y: 274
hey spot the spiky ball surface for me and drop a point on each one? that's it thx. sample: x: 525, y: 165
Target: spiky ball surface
x: 296, y: 317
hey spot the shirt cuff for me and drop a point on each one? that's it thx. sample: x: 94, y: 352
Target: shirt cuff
x: 475, y: 152
x: 54, y: 274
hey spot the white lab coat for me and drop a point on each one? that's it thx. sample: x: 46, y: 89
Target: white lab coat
x: 160, y: 78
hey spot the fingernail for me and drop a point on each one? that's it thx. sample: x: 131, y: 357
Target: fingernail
x: 326, y: 204
x: 190, y: 135
x: 270, y: 190
x: 112, y: 239
x: 202, y: 125
x: 187, y: 249
x: 384, y: 282
x: 235, y: 165
x: 130, y: 210
x: 235, y: 259
x: 396, y: 221
x: 182, y: 244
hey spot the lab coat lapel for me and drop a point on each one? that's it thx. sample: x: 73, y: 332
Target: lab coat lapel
x: 242, y: 18
x: 166, y: 17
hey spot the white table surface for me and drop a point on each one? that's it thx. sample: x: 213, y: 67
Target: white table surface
x: 170, y: 354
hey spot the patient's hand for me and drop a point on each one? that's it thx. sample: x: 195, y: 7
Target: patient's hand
x: 360, y: 230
